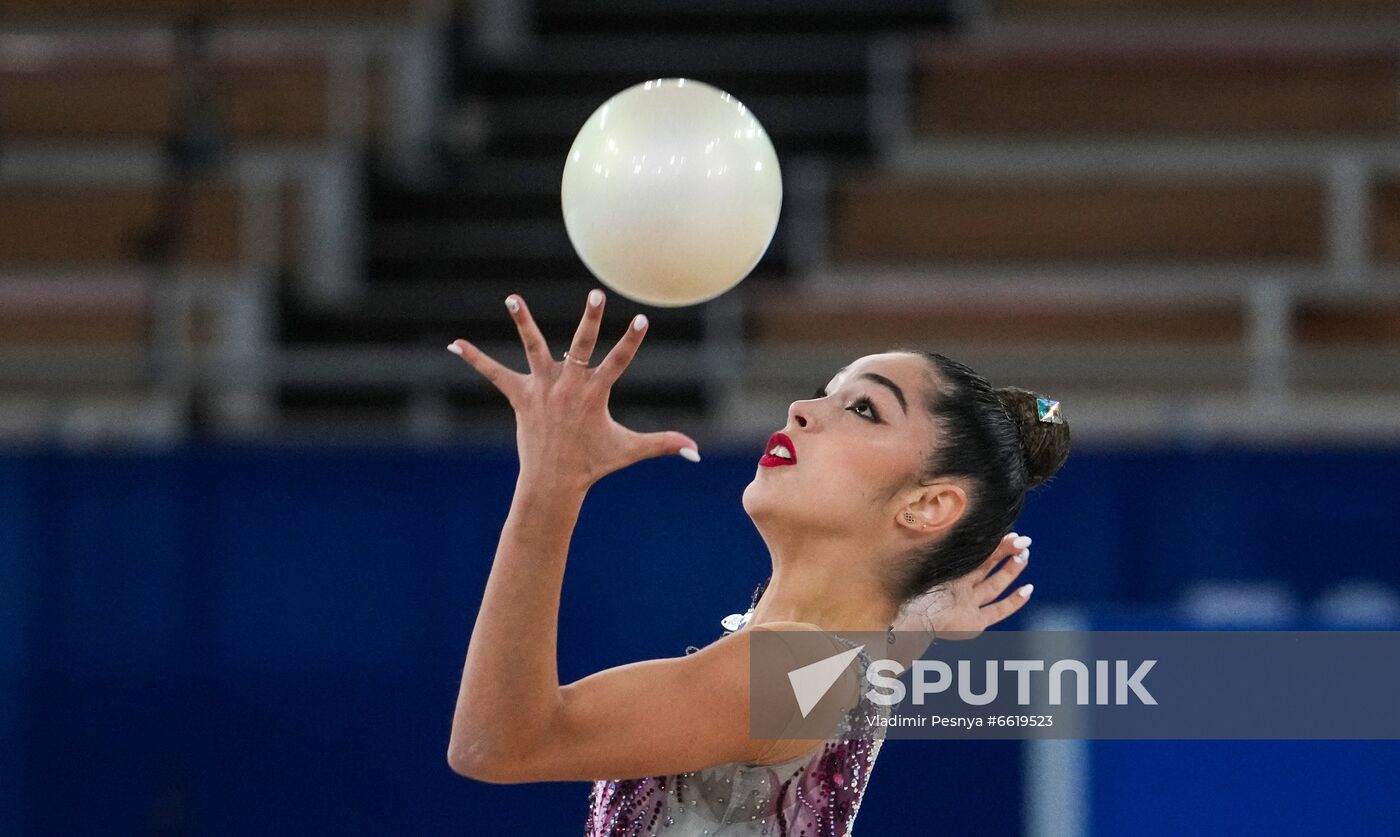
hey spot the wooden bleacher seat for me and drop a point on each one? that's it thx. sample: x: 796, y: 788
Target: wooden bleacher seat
x: 1340, y: 324
x: 1000, y: 322
x: 123, y: 95
x: 76, y: 226
x: 62, y: 313
x: 1003, y: 91
x: 75, y: 11
x: 1165, y: 8
x: 1385, y: 229
x: 888, y: 219
x: 1070, y: 346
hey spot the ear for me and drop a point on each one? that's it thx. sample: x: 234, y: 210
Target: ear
x: 935, y: 509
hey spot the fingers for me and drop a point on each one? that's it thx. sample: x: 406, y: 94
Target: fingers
x: 621, y: 355
x: 536, y: 349
x: 505, y: 380
x: 999, y: 610
x: 586, y: 337
x: 666, y: 443
x: 996, y: 583
x: 1004, y: 549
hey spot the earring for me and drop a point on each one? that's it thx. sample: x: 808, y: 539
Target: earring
x: 889, y: 637
x: 908, y: 517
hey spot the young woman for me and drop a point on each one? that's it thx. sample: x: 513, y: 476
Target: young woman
x: 885, y: 503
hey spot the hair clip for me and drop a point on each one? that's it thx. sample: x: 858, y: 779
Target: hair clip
x: 1048, y: 411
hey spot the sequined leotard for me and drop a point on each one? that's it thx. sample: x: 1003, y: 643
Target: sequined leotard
x: 816, y: 794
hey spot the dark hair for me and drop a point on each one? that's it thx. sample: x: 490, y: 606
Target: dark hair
x: 995, y: 440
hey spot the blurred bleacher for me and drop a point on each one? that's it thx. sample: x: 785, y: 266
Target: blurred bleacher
x: 170, y: 170
x: 250, y: 218
x: 1178, y: 217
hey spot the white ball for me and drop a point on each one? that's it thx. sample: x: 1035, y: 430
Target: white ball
x: 671, y: 192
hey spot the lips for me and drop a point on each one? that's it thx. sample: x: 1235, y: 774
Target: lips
x: 769, y: 460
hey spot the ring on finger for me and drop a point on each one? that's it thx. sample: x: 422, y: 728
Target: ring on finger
x: 575, y: 360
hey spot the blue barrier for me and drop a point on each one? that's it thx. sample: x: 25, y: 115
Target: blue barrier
x: 234, y: 640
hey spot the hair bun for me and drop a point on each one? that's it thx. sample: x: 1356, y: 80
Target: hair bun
x: 1044, y: 445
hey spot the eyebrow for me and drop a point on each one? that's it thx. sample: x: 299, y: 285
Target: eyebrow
x: 898, y: 393
x: 881, y: 379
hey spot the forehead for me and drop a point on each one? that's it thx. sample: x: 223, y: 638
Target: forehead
x: 903, y: 368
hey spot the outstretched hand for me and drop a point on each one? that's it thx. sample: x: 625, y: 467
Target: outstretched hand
x: 965, y: 607
x: 564, y: 432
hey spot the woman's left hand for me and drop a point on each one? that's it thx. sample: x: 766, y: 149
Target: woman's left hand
x: 964, y: 608
x: 565, y: 435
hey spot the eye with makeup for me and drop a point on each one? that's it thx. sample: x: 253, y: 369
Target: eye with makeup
x: 874, y: 416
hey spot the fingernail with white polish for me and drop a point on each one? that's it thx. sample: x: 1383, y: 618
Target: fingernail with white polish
x: 639, y: 323
x: 513, y: 304
x: 1026, y: 591
x: 1022, y: 542
x: 454, y: 348
x: 690, y: 453
x: 595, y: 298
x: 1023, y: 556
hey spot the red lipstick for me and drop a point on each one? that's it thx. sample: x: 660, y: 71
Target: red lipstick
x: 769, y: 460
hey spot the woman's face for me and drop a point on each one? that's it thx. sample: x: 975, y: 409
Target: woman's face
x: 857, y: 451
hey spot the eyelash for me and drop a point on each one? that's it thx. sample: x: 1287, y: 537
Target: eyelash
x: 873, y: 417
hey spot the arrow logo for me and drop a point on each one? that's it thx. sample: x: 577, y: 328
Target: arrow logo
x: 811, y: 682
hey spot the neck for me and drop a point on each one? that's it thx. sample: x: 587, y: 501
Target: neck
x: 826, y: 594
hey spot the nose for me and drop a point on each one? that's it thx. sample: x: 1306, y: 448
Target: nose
x: 800, y: 413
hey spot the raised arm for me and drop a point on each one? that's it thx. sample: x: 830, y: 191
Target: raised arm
x: 513, y: 721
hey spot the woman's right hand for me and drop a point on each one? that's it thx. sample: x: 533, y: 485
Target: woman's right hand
x: 965, y: 607
x: 564, y: 432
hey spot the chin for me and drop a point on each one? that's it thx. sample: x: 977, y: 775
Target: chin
x: 748, y: 492
x: 755, y: 499
x: 761, y: 500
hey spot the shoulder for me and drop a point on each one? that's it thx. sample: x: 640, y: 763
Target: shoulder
x: 793, y: 646
x: 807, y: 643
x: 803, y: 630
x: 784, y: 626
